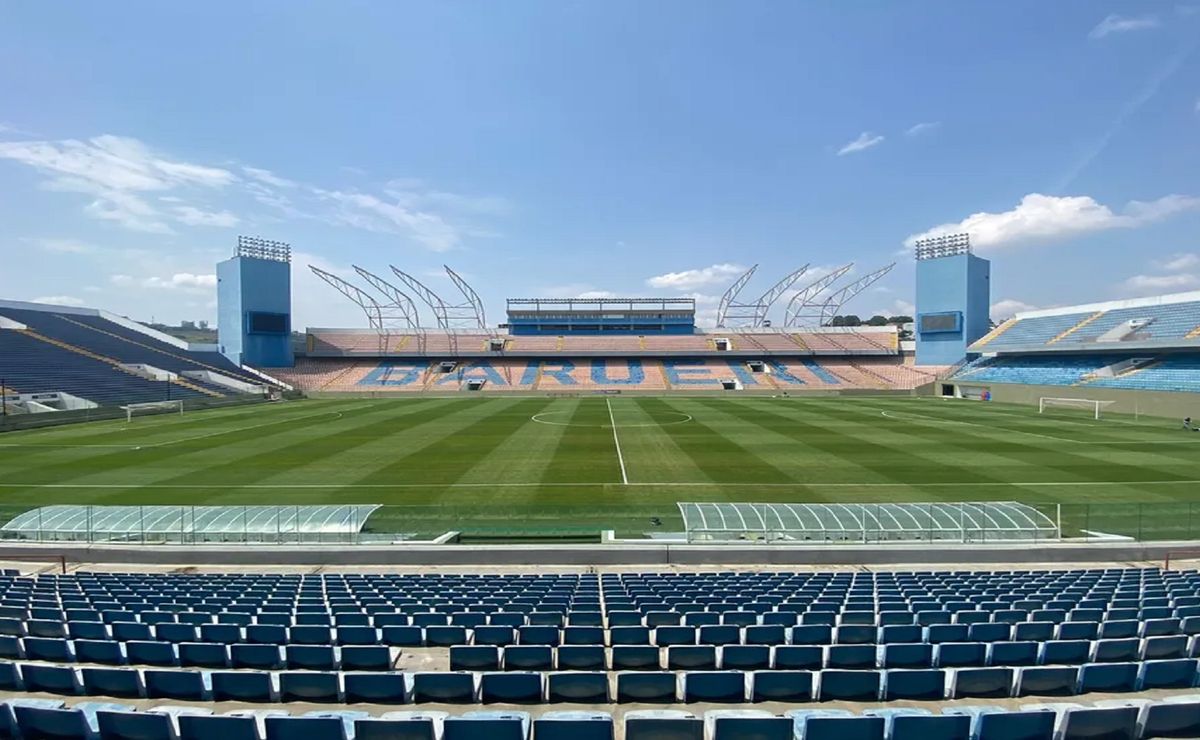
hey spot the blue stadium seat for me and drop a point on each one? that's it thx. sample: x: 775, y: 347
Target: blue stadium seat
x: 507, y: 725
x: 778, y: 685
x: 581, y: 658
x: 636, y: 658
x: 528, y: 658
x: 1171, y: 719
x: 851, y: 656
x: 401, y: 726
x: 183, y: 685
x: 134, y: 725
x: 573, y: 726
x: 914, y: 685
x: 663, y: 725
x: 936, y: 727
x: 445, y: 688
x: 579, y: 687
x: 714, y: 687
x: 835, y: 725
x: 745, y: 657
x: 377, y: 688
x: 1108, y: 677
x: 982, y: 683
x: 163, y: 654
x: 691, y: 657
x: 474, y: 658
x: 247, y: 686
x: 310, y: 686
x: 366, y: 658
x: 907, y: 655
x: 51, y: 679
x: 511, y: 688
x: 797, y: 657
x: 1167, y: 674
x: 848, y: 685
x: 744, y: 724
x: 960, y: 654
x: 305, y: 728
x: 125, y: 683
x: 647, y: 687
x: 1110, y: 723
x: 206, y: 727
x: 1065, y: 652
x: 260, y: 657
x: 996, y: 723
x: 1047, y: 681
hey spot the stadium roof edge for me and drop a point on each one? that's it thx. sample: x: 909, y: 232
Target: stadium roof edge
x: 1111, y: 305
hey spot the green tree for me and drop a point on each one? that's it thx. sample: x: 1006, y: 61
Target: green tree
x: 877, y: 320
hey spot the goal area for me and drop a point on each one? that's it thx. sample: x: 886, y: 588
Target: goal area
x: 1090, y: 406
x: 151, y: 408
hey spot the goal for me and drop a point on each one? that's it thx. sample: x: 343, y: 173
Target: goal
x: 152, y: 408
x: 1091, y: 406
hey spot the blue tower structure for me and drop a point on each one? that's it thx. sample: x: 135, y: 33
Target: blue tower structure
x: 953, y: 299
x: 254, y: 304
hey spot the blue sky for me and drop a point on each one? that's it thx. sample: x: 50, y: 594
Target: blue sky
x: 571, y: 148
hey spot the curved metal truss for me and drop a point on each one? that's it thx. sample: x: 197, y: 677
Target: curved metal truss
x: 753, y: 314
x: 449, y: 317
x: 804, y: 305
x: 399, y: 312
x: 732, y: 293
x: 472, y: 297
x: 839, y: 298
x: 362, y: 299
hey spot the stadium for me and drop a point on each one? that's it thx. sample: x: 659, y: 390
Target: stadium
x: 608, y: 432
x: 599, y: 371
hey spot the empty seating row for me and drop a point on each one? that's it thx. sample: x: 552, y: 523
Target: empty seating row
x: 1171, y: 717
x: 201, y: 654
x: 812, y: 657
x: 597, y: 687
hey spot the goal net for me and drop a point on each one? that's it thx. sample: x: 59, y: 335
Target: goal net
x: 152, y: 408
x: 1089, y: 406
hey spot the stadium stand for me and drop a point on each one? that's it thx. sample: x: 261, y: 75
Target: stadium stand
x: 593, y: 374
x: 912, y: 649
x: 107, y: 361
x: 1168, y: 373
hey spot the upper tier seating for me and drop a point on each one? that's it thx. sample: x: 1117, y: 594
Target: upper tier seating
x: 30, y: 365
x: 1026, y: 332
x: 117, y: 342
x: 1051, y: 369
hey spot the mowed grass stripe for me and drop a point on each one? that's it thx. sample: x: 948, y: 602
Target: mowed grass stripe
x: 437, y: 451
x: 585, y: 452
x: 1078, y: 461
x: 103, y: 437
x: 297, y: 455
x: 521, y: 456
x: 889, y: 461
x: 88, y: 463
x: 719, y: 456
x: 651, y: 453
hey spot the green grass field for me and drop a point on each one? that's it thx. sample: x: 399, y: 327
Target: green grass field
x: 497, y: 466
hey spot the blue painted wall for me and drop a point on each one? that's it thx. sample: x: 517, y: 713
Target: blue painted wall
x: 246, y: 285
x: 961, y: 283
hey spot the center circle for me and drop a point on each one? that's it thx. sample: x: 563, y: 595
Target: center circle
x: 542, y: 419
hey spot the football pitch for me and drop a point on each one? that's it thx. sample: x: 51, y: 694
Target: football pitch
x: 497, y: 466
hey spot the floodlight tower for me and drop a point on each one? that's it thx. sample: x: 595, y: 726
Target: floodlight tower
x: 953, y: 298
x: 804, y: 305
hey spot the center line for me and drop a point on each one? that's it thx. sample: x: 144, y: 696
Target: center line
x: 617, y: 442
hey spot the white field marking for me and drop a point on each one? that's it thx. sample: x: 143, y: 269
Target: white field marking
x: 337, y: 415
x: 1036, y: 434
x: 538, y: 418
x: 617, y: 442
x: 597, y: 484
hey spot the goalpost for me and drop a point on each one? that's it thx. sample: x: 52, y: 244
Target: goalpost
x: 1086, y: 404
x: 152, y: 407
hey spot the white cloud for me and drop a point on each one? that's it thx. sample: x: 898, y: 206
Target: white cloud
x: 193, y: 216
x: 184, y: 281
x: 59, y: 300
x: 114, y: 171
x: 1004, y: 309
x: 1119, y: 24
x: 923, y: 128
x: 371, y: 213
x: 1048, y: 217
x: 268, y: 177
x: 1153, y: 284
x: 687, y: 280
x: 1181, y: 262
x: 865, y: 141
